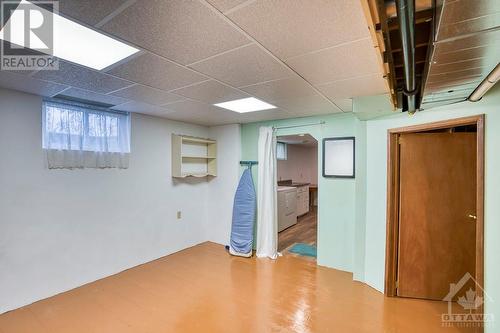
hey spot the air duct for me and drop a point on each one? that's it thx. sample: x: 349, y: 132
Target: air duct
x: 406, y: 18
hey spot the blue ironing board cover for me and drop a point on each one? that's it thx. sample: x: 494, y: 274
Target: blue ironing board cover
x: 243, y: 215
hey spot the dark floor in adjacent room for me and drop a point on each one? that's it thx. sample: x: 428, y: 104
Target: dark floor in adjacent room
x: 305, y: 231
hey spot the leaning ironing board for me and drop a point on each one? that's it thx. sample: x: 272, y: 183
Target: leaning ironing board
x: 244, y: 208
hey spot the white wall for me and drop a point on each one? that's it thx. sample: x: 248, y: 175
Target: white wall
x: 60, y: 229
x: 222, y: 188
x: 301, y: 164
x: 376, y: 190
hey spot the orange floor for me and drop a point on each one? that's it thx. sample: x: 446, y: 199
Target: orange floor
x: 202, y: 289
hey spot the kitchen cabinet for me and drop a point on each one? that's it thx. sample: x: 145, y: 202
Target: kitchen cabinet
x: 302, y: 200
x: 287, y: 206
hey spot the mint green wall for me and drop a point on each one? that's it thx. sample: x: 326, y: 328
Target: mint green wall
x: 360, y: 205
x: 376, y: 185
x: 336, y: 197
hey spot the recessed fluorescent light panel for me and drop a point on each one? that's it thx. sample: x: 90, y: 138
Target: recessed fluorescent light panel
x: 243, y: 105
x: 71, y: 41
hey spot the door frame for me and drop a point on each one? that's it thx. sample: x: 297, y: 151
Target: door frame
x: 293, y: 131
x: 392, y: 231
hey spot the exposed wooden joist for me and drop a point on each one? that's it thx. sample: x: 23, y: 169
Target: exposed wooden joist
x: 377, y: 24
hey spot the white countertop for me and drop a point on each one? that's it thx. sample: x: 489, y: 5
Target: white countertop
x: 286, y: 188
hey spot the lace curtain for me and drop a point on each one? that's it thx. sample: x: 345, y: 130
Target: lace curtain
x: 281, y: 151
x: 80, y: 136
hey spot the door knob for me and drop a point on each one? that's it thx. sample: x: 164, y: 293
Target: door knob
x: 473, y: 216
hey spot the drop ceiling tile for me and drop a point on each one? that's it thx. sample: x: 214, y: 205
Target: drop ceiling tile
x: 344, y: 104
x: 274, y: 114
x: 192, y: 106
x: 151, y: 70
x: 242, y: 67
x: 140, y: 107
x: 308, y: 113
x: 28, y: 84
x: 223, y: 119
x: 341, y: 62
x: 308, y: 106
x: 81, y: 77
x: 210, y: 117
x: 90, y: 12
x: 349, y: 88
x: 184, y: 31
x: 225, y: 5
x: 93, y: 97
x: 205, y: 114
x: 291, y: 28
x: 293, y: 87
x: 190, y: 117
x: 211, y: 92
x: 148, y: 95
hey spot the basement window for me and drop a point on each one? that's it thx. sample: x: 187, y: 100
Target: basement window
x: 78, y: 135
x: 281, y: 151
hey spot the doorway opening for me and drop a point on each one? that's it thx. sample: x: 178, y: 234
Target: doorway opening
x: 435, y: 210
x: 297, y: 174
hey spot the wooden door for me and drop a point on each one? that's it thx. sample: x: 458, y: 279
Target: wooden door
x: 437, y: 237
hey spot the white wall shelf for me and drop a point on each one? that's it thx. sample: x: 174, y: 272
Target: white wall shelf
x: 193, y: 157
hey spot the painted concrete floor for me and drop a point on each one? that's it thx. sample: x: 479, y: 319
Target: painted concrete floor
x: 203, y: 289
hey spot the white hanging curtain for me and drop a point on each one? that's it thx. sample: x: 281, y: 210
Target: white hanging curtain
x: 267, y: 214
x: 77, y: 136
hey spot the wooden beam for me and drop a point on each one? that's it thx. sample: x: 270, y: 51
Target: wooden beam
x: 375, y: 27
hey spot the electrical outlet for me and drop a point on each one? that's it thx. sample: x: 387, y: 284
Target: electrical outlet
x: 179, y: 215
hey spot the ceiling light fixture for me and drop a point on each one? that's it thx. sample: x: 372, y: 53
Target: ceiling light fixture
x: 72, y: 41
x: 243, y: 105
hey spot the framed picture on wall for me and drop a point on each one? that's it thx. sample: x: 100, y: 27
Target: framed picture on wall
x: 338, y: 157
